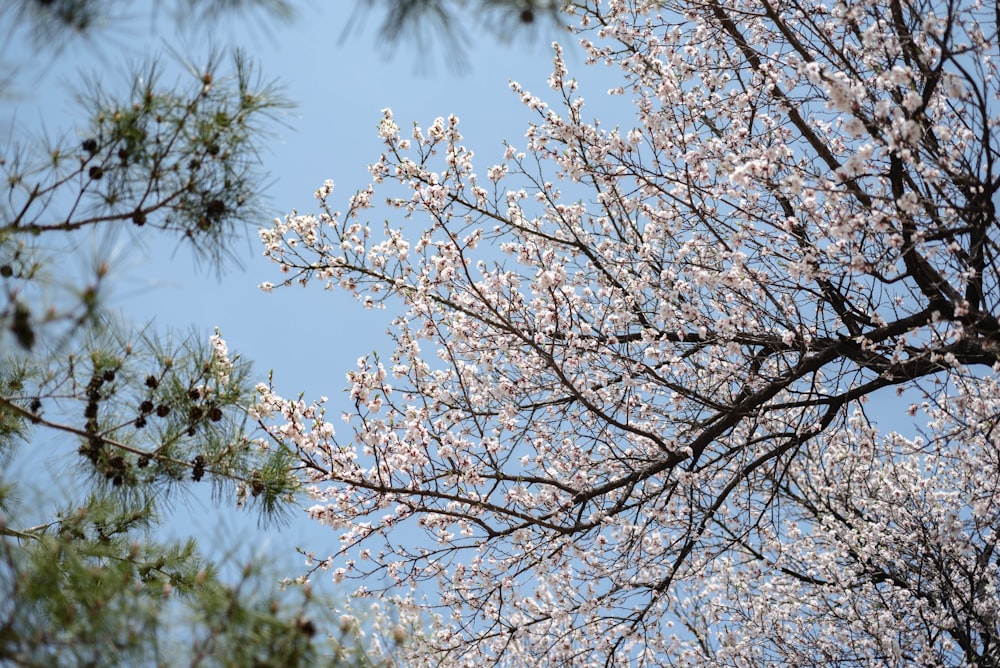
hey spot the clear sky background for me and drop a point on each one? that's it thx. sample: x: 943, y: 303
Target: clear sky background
x: 340, y: 78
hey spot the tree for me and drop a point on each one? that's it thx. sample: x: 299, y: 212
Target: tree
x: 149, y: 414
x: 713, y: 384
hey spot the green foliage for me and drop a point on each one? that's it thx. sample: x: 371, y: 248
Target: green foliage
x: 430, y: 23
x: 417, y: 15
x: 143, y: 416
x: 181, y: 159
x: 150, y: 416
x: 84, y: 591
x: 57, y: 19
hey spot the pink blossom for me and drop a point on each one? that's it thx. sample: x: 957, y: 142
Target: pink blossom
x: 713, y: 384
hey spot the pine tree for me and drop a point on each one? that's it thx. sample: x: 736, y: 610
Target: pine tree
x: 148, y: 415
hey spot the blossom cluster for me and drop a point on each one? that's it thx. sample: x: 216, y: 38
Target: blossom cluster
x: 629, y: 409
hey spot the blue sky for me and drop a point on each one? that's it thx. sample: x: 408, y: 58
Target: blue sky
x: 340, y: 82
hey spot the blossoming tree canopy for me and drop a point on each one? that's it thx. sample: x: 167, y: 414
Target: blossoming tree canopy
x: 648, y: 395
